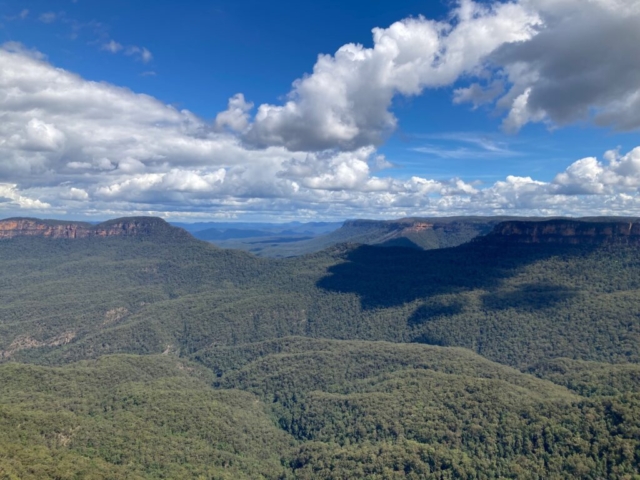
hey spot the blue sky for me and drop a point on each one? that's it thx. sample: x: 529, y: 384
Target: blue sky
x: 196, y: 55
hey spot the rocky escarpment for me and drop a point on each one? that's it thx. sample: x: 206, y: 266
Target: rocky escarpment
x: 566, y: 232
x: 396, y: 227
x: 121, y: 227
x: 426, y: 233
x: 32, y: 227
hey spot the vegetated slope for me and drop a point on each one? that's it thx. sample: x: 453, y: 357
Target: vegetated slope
x: 326, y: 403
x: 119, y: 227
x: 381, y: 410
x: 306, y: 408
x: 59, y: 291
x: 590, y: 378
x: 132, y: 417
x: 66, y: 300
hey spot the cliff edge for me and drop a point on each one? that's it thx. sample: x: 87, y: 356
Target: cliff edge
x: 120, y: 227
x: 565, y: 232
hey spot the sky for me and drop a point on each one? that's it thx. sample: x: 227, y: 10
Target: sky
x: 276, y: 111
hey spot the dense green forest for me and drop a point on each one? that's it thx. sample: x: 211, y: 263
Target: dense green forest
x: 162, y: 356
x: 68, y: 300
x: 305, y: 408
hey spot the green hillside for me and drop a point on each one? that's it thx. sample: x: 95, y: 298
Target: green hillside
x: 67, y: 300
x: 434, y: 411
x: 304, y: 408
x: 162, y: 356
x: 131, y: 417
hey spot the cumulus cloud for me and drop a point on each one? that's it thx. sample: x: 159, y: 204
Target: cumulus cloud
x: 558, y: 61
x: 581, y: 65
x: 345, y: 102
x: 236, y: 117
x: 74, y: 193
x: 68, y: 145
x: 10, y: 197
x: 617, y: 173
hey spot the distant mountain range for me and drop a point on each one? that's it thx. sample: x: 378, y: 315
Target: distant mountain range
x: 294, y: 239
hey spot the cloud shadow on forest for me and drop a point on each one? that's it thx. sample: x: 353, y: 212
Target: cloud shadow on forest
x: 390, y: 277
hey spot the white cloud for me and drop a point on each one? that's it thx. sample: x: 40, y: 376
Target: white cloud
x: 140, y: 53
x: 345, y: 102
x: 236, y: 117
x: 10, y: 197
x: 17, y: 47
x: 559, y: 61
x: 112, y: 46
x: 144, y: 55
x: 75, y: 194
x: 581, y: 65
x: 617, y: 173
x: 81, y: 147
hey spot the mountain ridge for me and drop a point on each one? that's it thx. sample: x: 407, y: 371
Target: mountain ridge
x: 57, y: 229
x: 415, y: 232
x: 565, y: 232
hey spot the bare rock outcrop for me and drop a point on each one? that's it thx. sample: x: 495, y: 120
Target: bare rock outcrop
x: 565, y: 232
x: 122, y: 227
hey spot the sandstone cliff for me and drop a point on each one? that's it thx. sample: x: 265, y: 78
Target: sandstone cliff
x: 566, y: 232
x: 122, y: 227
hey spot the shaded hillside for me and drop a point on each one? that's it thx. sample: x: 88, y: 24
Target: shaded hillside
x: 66, y: 300
x: 513, y: 305
x: 422, y: 233
x: 419, y: 233
x: 341, y: 364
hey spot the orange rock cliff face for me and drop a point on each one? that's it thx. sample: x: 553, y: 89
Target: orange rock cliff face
x: 566, y: 232
x: 27, y: 227
x: 124, y: 227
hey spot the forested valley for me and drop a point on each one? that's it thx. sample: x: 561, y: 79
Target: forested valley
x: 157, y: 355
